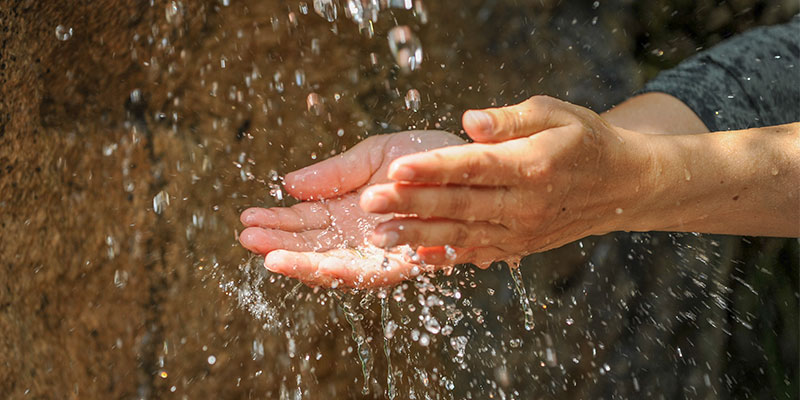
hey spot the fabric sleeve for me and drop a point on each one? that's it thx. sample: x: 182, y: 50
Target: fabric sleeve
x: 748, y: 81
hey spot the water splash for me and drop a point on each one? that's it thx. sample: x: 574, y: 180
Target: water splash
x: 359, y: 336
x: 522, y: 293
x: 385, y: 324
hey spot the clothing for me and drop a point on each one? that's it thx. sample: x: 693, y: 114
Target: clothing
x: 749, y: 81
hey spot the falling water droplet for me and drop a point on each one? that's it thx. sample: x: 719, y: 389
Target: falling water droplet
x: 160, y: 202
x: 326, y: 9
x: 407, y: 4
x: 174, y: 12
x: 687, y: 174
x: 299, y: 77
x: 212, y: 360
x: 413, y: 100
x: 432, y: 325
x: 406, y: 48
x: 63, y: 33
x: 314, y: 103
x: 522, y: 293
x: 120, y: 278
x: 388, y: 325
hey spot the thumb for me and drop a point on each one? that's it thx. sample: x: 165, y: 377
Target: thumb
x: 532, y: 116
x: 339, y: 174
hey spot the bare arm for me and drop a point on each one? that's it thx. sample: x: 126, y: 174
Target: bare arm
x: 743, y: 182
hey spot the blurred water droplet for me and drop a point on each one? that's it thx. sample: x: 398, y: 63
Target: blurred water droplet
x: 405, y: 47
x: 300, y: 77
x: 174, y: 12
x: 212, y: 360
x: 413, y: 101
x: 314, y: 103
x: 407, y: 4
x: 160, y: 202
x: 432, y: 325
x: 391, y: 327
x: 315, y: 47
x: 63, y: 33
x: 326, y: 9
x: 459, y: 344
x: 120, y: 278
x: 421, y: 12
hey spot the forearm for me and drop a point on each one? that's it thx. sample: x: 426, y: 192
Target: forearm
x: 739, y: 182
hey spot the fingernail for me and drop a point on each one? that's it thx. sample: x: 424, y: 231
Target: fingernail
x: 271, y: 265
x: 386, y: 239
x: 402, y: 173
x: 377, y: 203
x: 480, y: 119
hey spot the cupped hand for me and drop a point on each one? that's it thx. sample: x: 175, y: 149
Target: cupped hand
x: 541, y: 174
x: 322, y: 240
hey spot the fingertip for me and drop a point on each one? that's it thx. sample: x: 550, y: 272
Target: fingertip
x: 479, y: 125
x: 254, y: 216
x: 273, y: 261
x: 249, y: 238
x: 372, y: 201
x: 401, y: 171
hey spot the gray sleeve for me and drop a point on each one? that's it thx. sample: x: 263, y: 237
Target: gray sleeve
x: 748, y: 81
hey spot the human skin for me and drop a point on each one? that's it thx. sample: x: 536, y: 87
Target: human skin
x: 544, y: 173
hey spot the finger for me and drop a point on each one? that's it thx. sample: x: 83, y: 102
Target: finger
x: 470, y: 164
x: 299, y: 265
x: 300, y: 217
x: 418, y: 232
x: 339, y: 174
x: 341, y: 267
x: 372, y: 271
x: 453, y: 202
x: 263, y: 241
x: 443, y: 255
x: 520, y: 120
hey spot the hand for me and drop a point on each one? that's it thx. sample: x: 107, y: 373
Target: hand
x: 546, y: 173
x: 323, y: 240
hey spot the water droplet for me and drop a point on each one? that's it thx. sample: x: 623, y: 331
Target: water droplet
x: 687, y: 174
x: 406, y: 48
x: 120, y: 278
x: 160, y: 201
x: 63, y: 33
x: 326, y: 9
x: 432, y: 325
x: 413, y: 100
x: 407, y: 4
x: 314, y: 103
x: 569, y: 321
x: 618, y: 210
x: 515, y: 343
x: 424, y: 340
x: 774, y: 171
x: 300, y: 77
x: 212, y: 360
x: 174, y: 12
x: 388, y: 331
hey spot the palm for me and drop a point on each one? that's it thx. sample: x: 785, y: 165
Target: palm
x: 324, y: 239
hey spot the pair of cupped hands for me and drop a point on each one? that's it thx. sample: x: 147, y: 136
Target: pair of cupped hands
x: 539, y: 174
